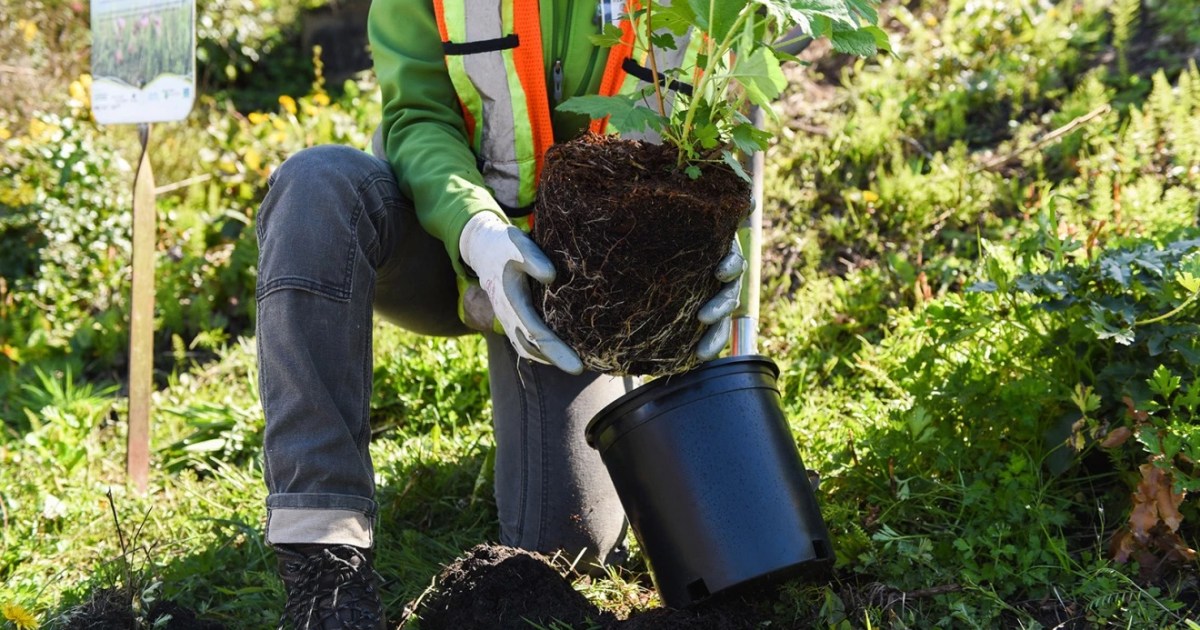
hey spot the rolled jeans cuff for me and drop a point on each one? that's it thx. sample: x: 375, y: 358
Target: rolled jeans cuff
x: 320, y: 519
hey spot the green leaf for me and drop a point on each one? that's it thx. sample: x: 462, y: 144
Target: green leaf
x: 1190, y: 399
x: 834, y: 10
x: 707, y: 135
x: 864, y: 10
x: 716, y: 17
x: 1189, y: 282
x: 735, y: 165
x: 692, y: 171
x: 882, y: 42
x: 677, y: 18
x: 1163, y: 382
x: 663, y: 41
x: 854, y: 42
x: 607, y: 39
x: 624, y: 112
x: 748, y: 138
x: 760, y: 74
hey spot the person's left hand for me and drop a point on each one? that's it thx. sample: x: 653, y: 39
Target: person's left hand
x: 716, y: 311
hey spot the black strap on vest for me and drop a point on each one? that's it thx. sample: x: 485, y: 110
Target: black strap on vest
x: 636, y: 69
x: 516, y: 213
x: 481, y: 46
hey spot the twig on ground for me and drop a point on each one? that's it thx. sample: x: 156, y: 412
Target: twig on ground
x: 183, y: 183
x: 1049, y: 138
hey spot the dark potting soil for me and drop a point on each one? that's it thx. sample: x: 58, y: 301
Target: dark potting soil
x: 111, y: 609
x: 494, y: 587
x: 636, y: 243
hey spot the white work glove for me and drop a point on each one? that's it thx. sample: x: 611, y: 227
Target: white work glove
x: 505, y: 258
x: 715, y: 312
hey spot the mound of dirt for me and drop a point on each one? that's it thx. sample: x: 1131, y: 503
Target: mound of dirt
x: 111, y: 609
x: 494, y: 587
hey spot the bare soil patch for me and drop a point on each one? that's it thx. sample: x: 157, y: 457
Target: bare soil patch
x: 495, y: 587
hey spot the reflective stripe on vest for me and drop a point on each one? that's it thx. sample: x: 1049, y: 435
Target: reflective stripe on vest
x: 494, y: 57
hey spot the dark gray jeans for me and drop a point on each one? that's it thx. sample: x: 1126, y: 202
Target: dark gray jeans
x: 337, y: 241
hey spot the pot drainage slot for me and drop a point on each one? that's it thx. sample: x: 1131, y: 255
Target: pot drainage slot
x: 697, y: 590
x: 821, y: 548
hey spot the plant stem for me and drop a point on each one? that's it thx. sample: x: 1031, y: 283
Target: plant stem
x: 662, y: 106
x: 714, y: 53
x: 1169, y: 314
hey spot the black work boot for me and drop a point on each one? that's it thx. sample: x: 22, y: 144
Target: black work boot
x: 329, y: 587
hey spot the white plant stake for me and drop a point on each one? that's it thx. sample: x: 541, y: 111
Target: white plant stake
x: 144, y: 71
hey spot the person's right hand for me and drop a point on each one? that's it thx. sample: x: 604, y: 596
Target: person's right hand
x: 504, y: 258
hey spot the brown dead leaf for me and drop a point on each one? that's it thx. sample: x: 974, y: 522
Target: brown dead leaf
x: 1165, y: 497
x: 1121, y: 545
x: 1116, y: 437
x: 1151, y: 536
x: 1133, y: 412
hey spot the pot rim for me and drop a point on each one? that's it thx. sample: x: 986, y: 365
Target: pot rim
x: 665, y: 386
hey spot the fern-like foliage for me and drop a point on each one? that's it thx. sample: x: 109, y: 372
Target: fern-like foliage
x: 1125, y: 17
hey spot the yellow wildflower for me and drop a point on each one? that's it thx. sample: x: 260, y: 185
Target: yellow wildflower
x: 19, y: 196
x: 288, y: 103
x: 321, y: 99
x: 80, y: 89
x: 5, y: 134
x: 279, y: 124
x: 29, y: 30
x: 257, y: 118
x: 253, y: 159
x: 20, y: 617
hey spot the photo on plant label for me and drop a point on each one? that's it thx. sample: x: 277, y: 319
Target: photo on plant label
x: 143, y: 59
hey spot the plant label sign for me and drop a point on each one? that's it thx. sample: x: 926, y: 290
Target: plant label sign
x: 143, y: 60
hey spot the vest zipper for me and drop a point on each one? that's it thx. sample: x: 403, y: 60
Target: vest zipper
x: 557, y: 73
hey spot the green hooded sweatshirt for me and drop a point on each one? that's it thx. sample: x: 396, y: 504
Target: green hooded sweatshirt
x: 424, y: 134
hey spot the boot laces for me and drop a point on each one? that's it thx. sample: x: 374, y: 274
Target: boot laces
x: 335, y: 584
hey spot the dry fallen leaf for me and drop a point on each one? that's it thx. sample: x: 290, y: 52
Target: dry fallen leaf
x: 1116, y: 437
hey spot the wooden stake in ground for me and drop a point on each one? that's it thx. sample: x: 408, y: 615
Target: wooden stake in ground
x: 142, y: 77
x: 141, y: 326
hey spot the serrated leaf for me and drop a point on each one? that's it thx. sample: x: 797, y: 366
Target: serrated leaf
x: 716, y: 17
x: 611, y: 36
x: 864, y: 10
x: 624, y: 113
x: 677, y: 18
x: 1189, y: 282
x: 882, y: 41
x: 760, y: 74
x: 856, y: 42
x: 834, y: 10
x: 748, y: 138
x: 1190, y: 399
x: 692, y: 171
x: 663, y: 41
x: 735, y: 165
x: 1163, y: 382
x: 707, y: 135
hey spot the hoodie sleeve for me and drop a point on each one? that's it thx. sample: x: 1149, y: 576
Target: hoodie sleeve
x: 424, y: 134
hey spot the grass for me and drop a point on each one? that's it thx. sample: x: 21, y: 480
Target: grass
x: 956, y: 418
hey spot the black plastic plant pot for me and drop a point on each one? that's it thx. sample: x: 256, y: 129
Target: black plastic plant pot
x: 711, y: 481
